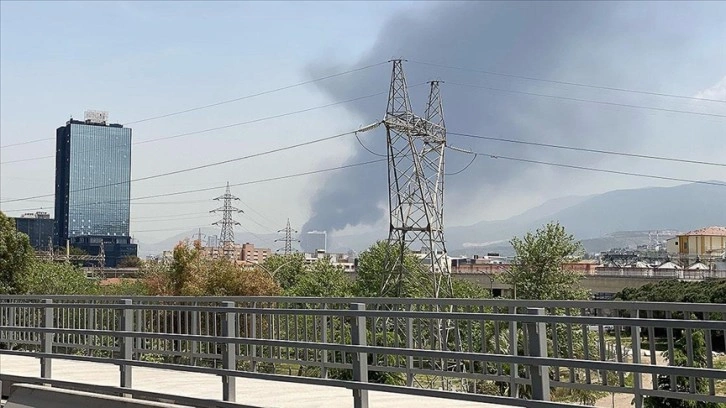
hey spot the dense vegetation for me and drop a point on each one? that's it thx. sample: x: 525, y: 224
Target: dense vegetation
x: 673, y: 290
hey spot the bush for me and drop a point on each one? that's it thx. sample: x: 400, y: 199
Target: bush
x: 49, y: 278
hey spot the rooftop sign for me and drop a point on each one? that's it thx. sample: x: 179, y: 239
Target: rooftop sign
x: 95, y: 116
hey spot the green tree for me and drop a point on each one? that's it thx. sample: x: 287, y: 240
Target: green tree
x: 375, y: 276
x: 191, y: 273
x: 16, y: 254
x: 130, y: 262
x: 55, y: 278
x: 322, y: 279
x: 682, y: 384
x: 285, y: 269
x: 538, y: 271
x: 674, y: 290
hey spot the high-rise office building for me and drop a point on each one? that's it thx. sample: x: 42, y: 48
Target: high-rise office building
x: 92, y: 187
x: 315, y: 241
x: 38, y: 227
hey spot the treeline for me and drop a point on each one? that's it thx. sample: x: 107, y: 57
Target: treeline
x: 673, y: 290
x: 191, y: 273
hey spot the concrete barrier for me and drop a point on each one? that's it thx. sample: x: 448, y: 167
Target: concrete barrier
x: 38, y: 396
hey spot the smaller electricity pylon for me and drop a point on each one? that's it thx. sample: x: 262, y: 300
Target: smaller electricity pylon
x: 226, y: 236
x: 287, y: 249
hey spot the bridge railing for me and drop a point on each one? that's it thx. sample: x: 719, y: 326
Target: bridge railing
x: 512, y: 352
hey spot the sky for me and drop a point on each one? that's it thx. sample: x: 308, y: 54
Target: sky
x: 139, y: 60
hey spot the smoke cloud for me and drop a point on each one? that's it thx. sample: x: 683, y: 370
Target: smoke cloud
x: 629, y: 45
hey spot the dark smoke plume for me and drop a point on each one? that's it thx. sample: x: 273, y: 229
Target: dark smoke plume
x: 630, y: 45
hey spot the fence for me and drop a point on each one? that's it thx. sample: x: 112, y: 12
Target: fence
x: 509, y: 352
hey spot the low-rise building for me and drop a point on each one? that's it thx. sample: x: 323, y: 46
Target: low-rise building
x: 709, y: 241
x: 345, y: 261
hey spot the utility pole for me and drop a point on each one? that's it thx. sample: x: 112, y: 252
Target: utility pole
x: 226, y: 236
x: 287, y: 249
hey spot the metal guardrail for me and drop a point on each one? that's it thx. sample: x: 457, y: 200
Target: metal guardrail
x: 516, y: 352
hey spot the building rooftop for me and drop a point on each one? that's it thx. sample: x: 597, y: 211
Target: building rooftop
x: 713, y: 231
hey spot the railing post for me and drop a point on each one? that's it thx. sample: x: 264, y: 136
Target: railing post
x: 12, y: 334
x: 540, y: 374
x: 229, y: 353
x: 126, y: 343
x: 253, y: 333
x: 194, y: 331
x: 409, y: 345
x: 90, y: 325
x: 360, y: 360
x: 637, y: 379
x: 46, y: 339
x: 324, y: 339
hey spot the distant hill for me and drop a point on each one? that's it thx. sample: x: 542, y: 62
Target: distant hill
x: 619, y: 218
x: 595, y: 219
x: 616, y: 219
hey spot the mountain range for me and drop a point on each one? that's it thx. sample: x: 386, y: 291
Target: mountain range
x: 615, y: 219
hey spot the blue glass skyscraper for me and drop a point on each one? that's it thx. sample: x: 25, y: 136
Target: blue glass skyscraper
x: 92, y: 187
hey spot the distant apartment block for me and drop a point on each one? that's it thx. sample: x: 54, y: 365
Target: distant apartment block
x: 345, y: 261
x: 245, y: 254
x: 252, y: 255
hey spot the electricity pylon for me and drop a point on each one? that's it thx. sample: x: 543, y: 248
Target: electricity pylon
x: 226, y: 236
x: 287, y: 249
x: 198, y: 235
x: 416, y: 183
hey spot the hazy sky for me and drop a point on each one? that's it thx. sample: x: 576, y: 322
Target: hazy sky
x: 141, y: 59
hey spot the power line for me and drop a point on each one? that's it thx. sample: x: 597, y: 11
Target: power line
x: 465, y: 167
x: 262, y: 216
x: 244, y: 183
x: 582, y: 149
x: 570, y: 166
x: 567, y: 98
x: 27, y: 142
x: 261, y: 119
x: 265, y: 180
x: 169, y: 229
x: 224, y: 102
x: 198, y: 217
x: 366, y: 148
x: 578, y: 84
x: 28, y: 159
x: 204, y: 166
x: 257, y: 94
x: 207, y: 130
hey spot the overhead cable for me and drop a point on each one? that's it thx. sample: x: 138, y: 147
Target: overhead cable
x: 583, y: 149
x: 195, y: 168
x: 570, y: 166
x: 578, y: 84
x: 567, y: 98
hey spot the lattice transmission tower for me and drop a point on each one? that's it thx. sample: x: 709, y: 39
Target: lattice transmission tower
x: 416, y: 183
x: 288, y: 240
x: 226, y: 236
